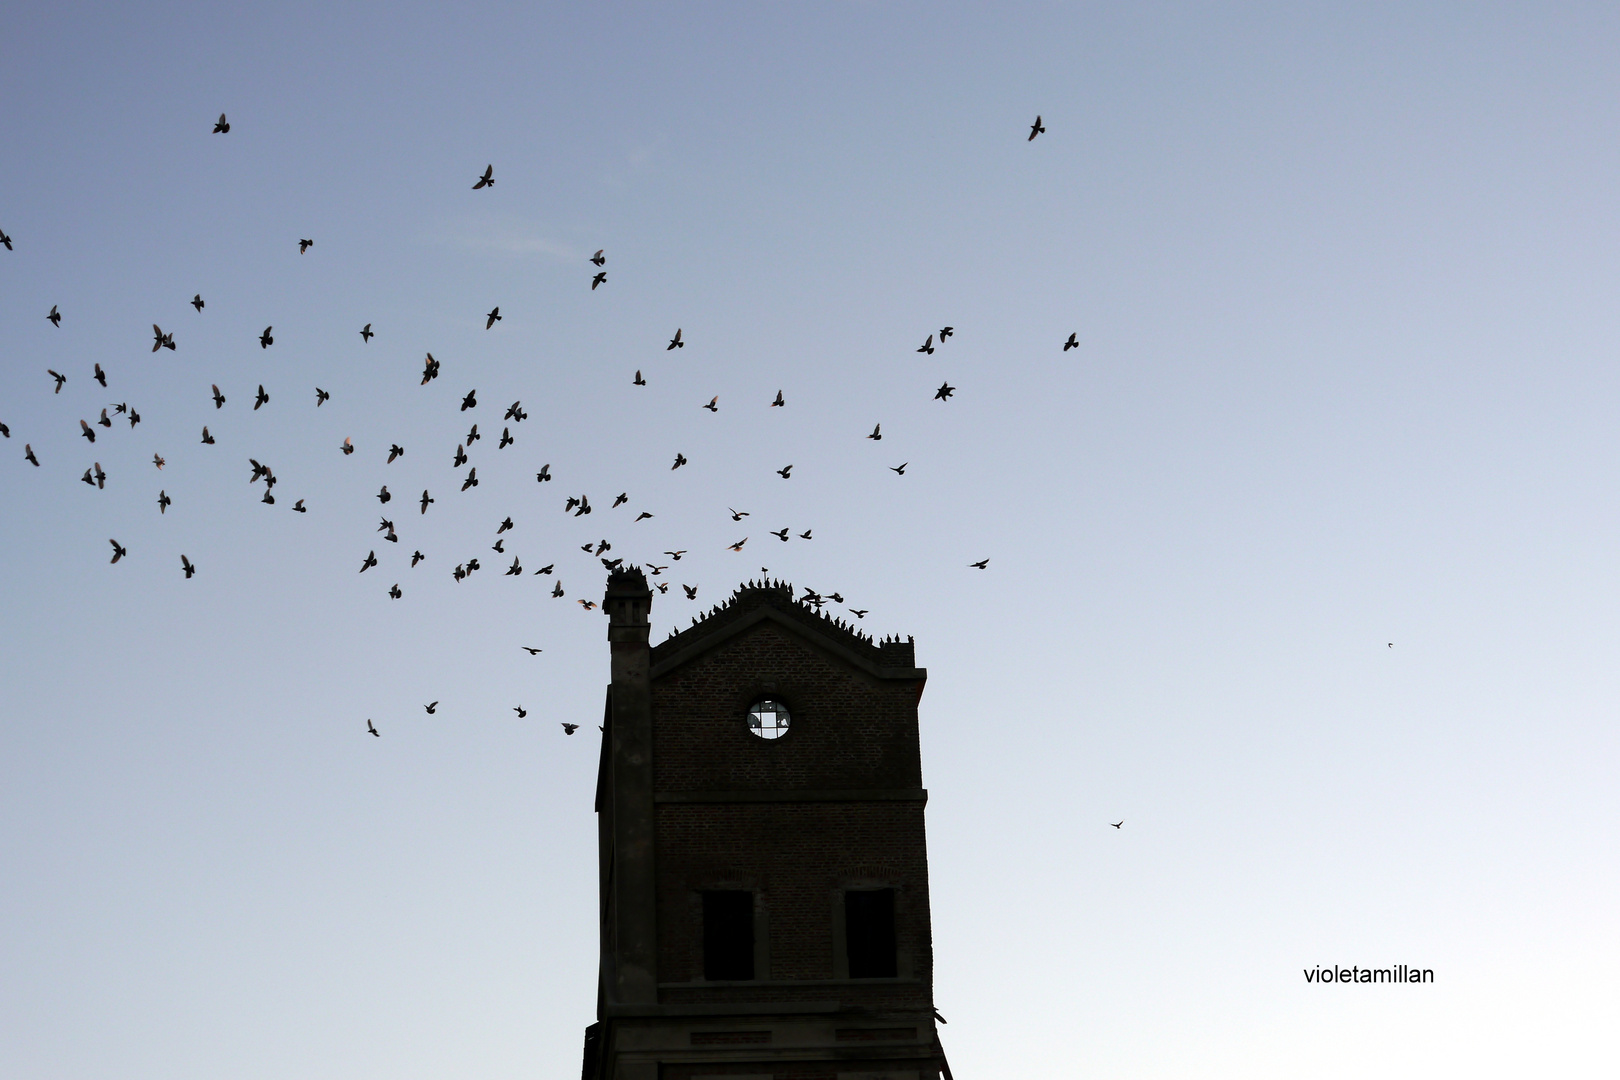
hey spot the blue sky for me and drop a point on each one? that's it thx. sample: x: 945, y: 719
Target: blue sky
x: 1303, y: 563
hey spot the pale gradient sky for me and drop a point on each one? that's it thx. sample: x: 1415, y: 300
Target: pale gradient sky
x: 1343, y: 279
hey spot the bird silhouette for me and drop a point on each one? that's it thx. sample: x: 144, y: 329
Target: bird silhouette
x: 598, y: 279
x: 515, y: 413
x: 472, y: 435
x: 221, y: 126
x: 101, y: 478
x: 28, y: 455
x: 506, y: 524
x: 100, y: 377
x: 674, y: 342
x: 546, y: 569
x: 900, y: 468
x: 265, y: 340
x: 470, y: 401
x: 663, y: 586
x: 157, y: 459
x: 305, y: 245
x: 1117, y: 824
x: 780, y: 534
x: 785, y: 472
x: 262, y: 398
x: 60, y: 379
x: 599, y: 259
x: 395, y: 593
x: 372, y: 728
x: 347, y: 447
x: 944, y: 392
x: 370, y: 561
x: 416, y: 557
x: 980, y: 565
x: 321, y: 397
x: 5, y: 241
x: 134, y: 418
x: 680, y: 459
x: 569, y: 729
x: 737, y: 515
x: 461, y: 456
x: 383, y: 496
x: 5, y: 430
x: 806, y: 534
x: 164, y: 502
x: 587, y: 604
x: 426, y: 500
x: 638, y: 380
x: 55, y: 318
x: 431, y: 707
x: 506, y: 439
x: 298, y: 507
x: 584, y: 506
x: 186, y: 567
x: 927, y: 346
x: 543, y: 475
x: 160, y: 340
x: 531, y: 650
x: 219, y: 398
x: 620, y: 501
x: 365, y: 333
x: 487, y: 180
x: 88, y: 478
x: 105, y: 421
x: 714, y: 404
x: 676, y: 555
x: 472, y: 479
x: 493, y: 317
x: 738, y: 546
x: 558, y: 591
x: 197, y: 302
x: 208, y: 440
x: 430, y: 369
x: 1072, y: 343
x: 1037, y: 128
x: 394, y: 451
x: 87, y: 431
x: 945, y: 332
x: 269, y: 499
x: 691, y: 591
x: 643, y: 516
x: 119, y: 551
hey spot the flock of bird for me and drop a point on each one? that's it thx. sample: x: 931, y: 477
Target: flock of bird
x: 575, y: 505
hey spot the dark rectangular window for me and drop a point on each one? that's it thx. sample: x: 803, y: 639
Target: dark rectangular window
x: 728, y: 934
x: 869, y: 933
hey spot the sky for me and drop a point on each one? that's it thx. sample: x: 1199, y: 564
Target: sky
x: 1303, y: 564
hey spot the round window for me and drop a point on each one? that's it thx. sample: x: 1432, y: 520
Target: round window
x: 768, y: 719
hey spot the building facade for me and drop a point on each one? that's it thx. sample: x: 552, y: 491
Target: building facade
x: 764, y: 871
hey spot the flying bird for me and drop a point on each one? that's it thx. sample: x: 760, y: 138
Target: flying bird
x: 546, y: 569
x: 487, y: 180
x: 261, y: 399
x: 779, y: 400
x: 472, y: 435
x: 663, y: 586
x: 461, y: 456
x: 945, y: 332
x: 1072, y: 343
x: 395, y: 593
x: 472, y: 479
x: 186, y: 567
x: 223, y: 127
x: 944, y: 392
x: 305, y: 245
x: 88, y: 431
x: 298, y: 507
x: 416, y: 557
x: 158, y: 460
x: 105, y: 420
x: 119, y: 551
x: 6, y: 240
x: 638, y: 380
x: 1037, y: 128
x: 569, y: 729
x: 28, y: 455
x: 219, y: 398
x: 584, y: 506
x: 208, y: 440
x: 714, y: 404
x: 543, y: 475
x: 599, y: 259
x: 60, y: 379
x: 1117, y: 824
x: 531, y: 650
x: 859, y: 613
x: 370, y: 561
x: 805, y: 536
x: 927, y: 346
x: 134, y: 418
x: 5, y: 431
x: 431, y: 707
x: 269, y: 499
x: 100, y: 377
x: 785, y: 472
x: 347, y: 447
x: 365, y: 333
x: 506, y: 439
x: 780, y: 534
x: 676, y: 555
x: 197, y: 302
x: 321, y: 397
x: 980, y: 565
x: 515, y: 413
x: 55, y: 318
x: 738, y: 546
x: 506, y: 524
x: 470, y: 401
x: 372, y: 728
x: 623, y: 498
x: 643, y: 516
x: 163, y: 502
x: 587, y: 604
x: 737, y: 515
x: 394, y: 451
x: 598, y: 279
x: 680, y: 459
x: 383, y: 496
x: 88, y: 478
x: 493, y: 317
x: 101, y: 477
x: 425, y: 500
x: 691, y: 591
x: 900, y: 468
x: 557, y: 592
x: 265, y: 340
x: 674, y: 342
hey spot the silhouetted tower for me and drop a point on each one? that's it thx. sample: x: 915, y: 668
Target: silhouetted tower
x: 764, y: 869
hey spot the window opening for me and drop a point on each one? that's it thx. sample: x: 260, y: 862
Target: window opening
x: 728, y: 934
x: 869, y: 933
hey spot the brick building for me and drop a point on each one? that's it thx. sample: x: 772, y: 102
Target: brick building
x: 764, y: 870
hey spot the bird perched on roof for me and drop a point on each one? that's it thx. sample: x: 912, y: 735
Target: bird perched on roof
x: 1072, y: 343
x: 1037, y: 128
x: 223, y: 127
x: 55, y: 318
x: 487, y: 180
x: 674, y: 342
x: 197, y: 302
x: 265, y: 340
x: 493, y: 317
x: 365, y: 333
x: 305, y: 245
x: 119, y: 551
x: 944, y: 392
